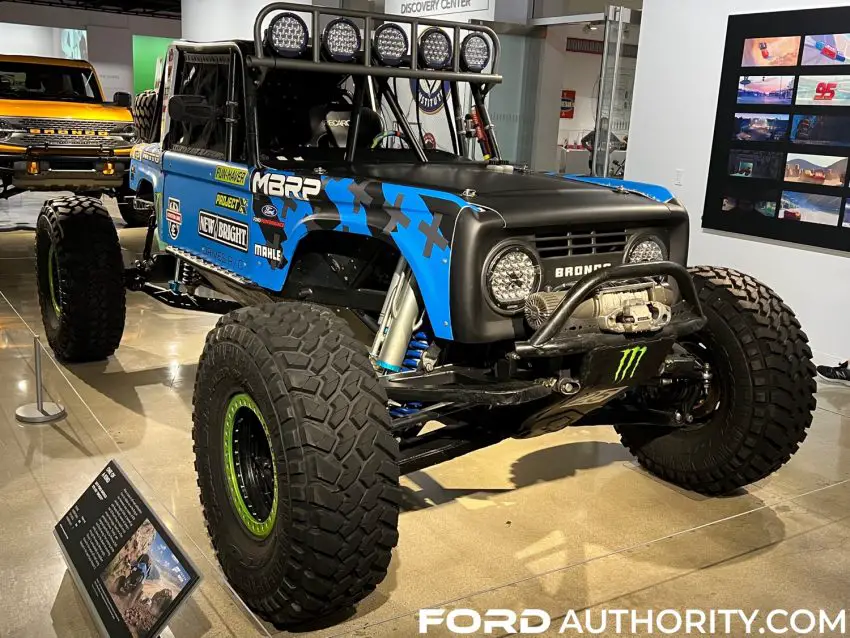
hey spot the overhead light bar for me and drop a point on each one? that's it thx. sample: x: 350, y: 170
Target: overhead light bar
x: 435, y: 49
x: 390, y: 44
x: 474, y: 53
x: 287, y: 35
x: 341, y: 40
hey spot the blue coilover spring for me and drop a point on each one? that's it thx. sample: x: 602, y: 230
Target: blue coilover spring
x: 415, y: 349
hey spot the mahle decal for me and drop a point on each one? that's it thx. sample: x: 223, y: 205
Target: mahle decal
x: 629, y: 363
x: 231, y: 175
x: 231, y: 202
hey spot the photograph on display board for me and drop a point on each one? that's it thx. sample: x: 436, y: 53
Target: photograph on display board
x: 757, y: 164
x: 761, y: 127
x: 821, y: 130
x: 824, y: 90
x: 807, y: 207
x: 825, y: 170
x: 827, y: 49
x: 766, y: 89
x: 782, y: 51
x: 747, y: 205
x: 143, y: 579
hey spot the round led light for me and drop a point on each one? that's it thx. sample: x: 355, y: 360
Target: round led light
x: 646, y: 250
x: 474, y: 53
x: 512, y: 275
x: 390, y: 44
x: 341, y: 40
x: 435, y: 49
x: 287, y: 35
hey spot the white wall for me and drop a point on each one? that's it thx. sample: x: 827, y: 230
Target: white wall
x: 675, y: 105
x: 109, y: 36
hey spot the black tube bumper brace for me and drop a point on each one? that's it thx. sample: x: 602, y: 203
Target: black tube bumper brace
x: 544, y: 341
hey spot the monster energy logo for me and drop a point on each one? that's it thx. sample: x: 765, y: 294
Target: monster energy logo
x: 629, y: 363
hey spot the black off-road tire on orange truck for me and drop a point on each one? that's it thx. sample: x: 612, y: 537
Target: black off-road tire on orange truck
x: 80, y: 275
x: 297, y: 469
x: 762, y: 395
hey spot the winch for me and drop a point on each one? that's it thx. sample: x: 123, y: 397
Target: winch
x: 631, y: 308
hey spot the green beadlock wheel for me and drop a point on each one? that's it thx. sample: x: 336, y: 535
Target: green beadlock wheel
x: 52, y: 278
x: 249, y: 466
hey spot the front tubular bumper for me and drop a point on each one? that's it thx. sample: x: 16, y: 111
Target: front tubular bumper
x: 545, y: 342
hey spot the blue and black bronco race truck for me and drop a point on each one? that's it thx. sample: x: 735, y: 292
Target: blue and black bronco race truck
x: 371, y: 282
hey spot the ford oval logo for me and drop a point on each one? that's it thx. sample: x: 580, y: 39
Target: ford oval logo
x: 269, y: 211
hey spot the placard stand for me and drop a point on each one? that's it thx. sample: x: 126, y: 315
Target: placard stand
x: 40, y: 411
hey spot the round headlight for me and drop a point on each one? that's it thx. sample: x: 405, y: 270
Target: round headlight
x: 341, y: 40
x: 287, y: 34
x: 474, y: 53
x: 390, y: 44
x: 435, y: 49
x: 512, y: 274
x: 646, y: 249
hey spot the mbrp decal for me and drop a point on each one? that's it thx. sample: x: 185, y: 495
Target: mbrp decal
x: 223, y: 230
x: 231, y: 202
x: 231, y: 175
x: 290, y: 186
x: 174, y: 217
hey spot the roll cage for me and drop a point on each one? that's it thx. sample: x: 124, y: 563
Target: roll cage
x: 249, y: 63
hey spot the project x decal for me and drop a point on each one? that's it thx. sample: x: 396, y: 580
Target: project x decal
x: 231, y: 175
x: 231, y: 202
x: 173, y: 217
x: 223, y: 230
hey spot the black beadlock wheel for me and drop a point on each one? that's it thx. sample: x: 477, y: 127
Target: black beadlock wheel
x: 762, y: 395
x: 297, y: 469
x: 80, y: 275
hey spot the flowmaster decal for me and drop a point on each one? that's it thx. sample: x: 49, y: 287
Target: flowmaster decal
x: 223, y: 230
x: 290, y: 186
x: 174, y: 217
x: 231, y: 175
x: 231, y: 202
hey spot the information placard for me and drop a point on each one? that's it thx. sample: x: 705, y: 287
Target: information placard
x: 128, y: 568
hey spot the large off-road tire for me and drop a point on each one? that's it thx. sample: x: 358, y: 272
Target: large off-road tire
x: 762, y: 395
x: 80, y: 275
x: 297, y: 469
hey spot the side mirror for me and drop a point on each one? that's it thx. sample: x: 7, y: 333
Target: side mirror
x: 122, y: 99
x: 190, y: 109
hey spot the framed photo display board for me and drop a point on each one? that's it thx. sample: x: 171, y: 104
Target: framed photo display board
x: 782, y: 133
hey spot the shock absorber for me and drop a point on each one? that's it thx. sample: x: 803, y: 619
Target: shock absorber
x: 415, y: 349
x: 185, y: 278
x: 401, y: 310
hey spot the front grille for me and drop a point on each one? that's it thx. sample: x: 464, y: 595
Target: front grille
x: 580, y: 242
x: 29, y: 139
x: 53, y: 123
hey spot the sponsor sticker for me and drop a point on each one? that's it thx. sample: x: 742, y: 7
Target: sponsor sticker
x: 231, y: 175
x: 269, y: 211
x: 223, y: 230
x: 174, y: 217
x: 232, y: 202
x: 275, y: 223
x: 629, y: 363
x: 271, y: 253
x: 291, y: 186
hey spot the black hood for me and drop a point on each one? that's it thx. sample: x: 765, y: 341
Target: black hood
x: 523, y: 198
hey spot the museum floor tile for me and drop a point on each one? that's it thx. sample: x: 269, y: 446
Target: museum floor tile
x: 563, y: 521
